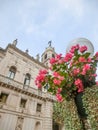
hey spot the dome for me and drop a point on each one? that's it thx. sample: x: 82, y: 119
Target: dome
x: 81, y: 42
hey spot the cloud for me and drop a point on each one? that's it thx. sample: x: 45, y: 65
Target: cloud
x: 53, y: 11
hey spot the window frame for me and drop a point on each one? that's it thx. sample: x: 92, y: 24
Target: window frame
x: 39, y: 107
x: 23, y: 103
x: 2, y: 100
x: 12, y: 72
x: 27, y: 79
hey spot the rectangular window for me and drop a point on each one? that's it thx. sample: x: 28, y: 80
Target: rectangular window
x: 39, y: 107
x: 3, y: 97
x: 11, y: 74
x: 23, y: 103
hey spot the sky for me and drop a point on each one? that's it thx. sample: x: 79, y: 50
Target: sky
x: 35, y: 22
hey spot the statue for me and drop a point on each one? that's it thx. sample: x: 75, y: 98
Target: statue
x: 37, y: 57
x: 27, y: 51
x: 49, y: 43
x: 14, y: 42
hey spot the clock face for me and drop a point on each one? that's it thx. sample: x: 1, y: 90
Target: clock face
x: 81, y: 42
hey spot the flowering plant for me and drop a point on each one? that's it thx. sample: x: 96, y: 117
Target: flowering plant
x: 69, y: 74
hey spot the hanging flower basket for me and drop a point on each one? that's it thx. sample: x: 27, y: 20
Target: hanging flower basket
x: 69, y: 74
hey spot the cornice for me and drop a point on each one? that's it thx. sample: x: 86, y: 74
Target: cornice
x: 23, y: 91
x: 12, y: 85
x: 26, y: 55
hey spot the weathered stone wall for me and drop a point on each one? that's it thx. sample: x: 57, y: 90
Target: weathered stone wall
x: 12, y: 116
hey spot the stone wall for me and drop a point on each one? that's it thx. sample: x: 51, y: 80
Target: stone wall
x: 12, y: 115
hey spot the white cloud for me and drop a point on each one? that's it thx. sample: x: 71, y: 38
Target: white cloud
x: 74, y: 7
x: 54, y: 11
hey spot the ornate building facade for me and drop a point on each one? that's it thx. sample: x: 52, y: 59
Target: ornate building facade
x: 22, y: 105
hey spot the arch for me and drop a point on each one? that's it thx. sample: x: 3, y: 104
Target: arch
x: 12, y: 72
x: 27, y: 79
x: 37, y: 126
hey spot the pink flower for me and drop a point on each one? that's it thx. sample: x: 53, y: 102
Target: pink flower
x: 61, y: 78
x: 43, y: 72
x: 96, y: 82
x: 82, y: 59
x: 40, y: 78
x: 83, y: 72
x: 76, y: 71
x: 52, y: 61
x: 80, y: 88
x: 73, y: 48
x: 39, y: 85
x: 96, y: 54
x: 61, y: 61
x: 83, y: 49
x: 89, y: 60
x: 78, y: 82
x: 59, y: 98
x: 68, y: 57
x: 79, y: 85
x: 56, y: 81
x: 86, y: 67
x: 59, y: 90
x: 94, y: 75
x: 56, y: 74
x: 58, y: 56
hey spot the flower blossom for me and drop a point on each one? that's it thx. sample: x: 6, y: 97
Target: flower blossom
x: 96, y: 82
x: 58, y: 57
x: 59, y: 97
x: 83, y: 49
x: 76, y: 71
x: 73, y: 48
x: 52, y: 61
x: 61, y: 78
x: 68, y: 57
x: 82, y: 59
x: 73, y: 72
x: 79, y: 85
x: 59, y: 90
x: 57, y: 81
x: 96, y: 55
x: 43, y: 72
x: 89, y: 60
x: 56, y: 74
x: 40, y: 78
x: 86, y: 67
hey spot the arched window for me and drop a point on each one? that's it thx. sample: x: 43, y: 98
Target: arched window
x: 12, y: 72
x: 53, y: 55
x: 37, y: 126
x: 45, y: 57
x: 27, y: 79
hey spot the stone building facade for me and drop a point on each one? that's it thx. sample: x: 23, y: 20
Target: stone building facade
x: 22, y: 105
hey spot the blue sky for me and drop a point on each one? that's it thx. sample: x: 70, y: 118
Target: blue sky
x: 35, y: 22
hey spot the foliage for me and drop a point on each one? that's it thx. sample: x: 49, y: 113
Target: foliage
x: 69, y: 74
x: 90, y: 101
x: 66, y: 113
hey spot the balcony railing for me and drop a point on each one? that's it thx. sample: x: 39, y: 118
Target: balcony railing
x: 21, y: 86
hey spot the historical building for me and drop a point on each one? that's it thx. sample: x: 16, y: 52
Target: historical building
x: 22, y: 105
